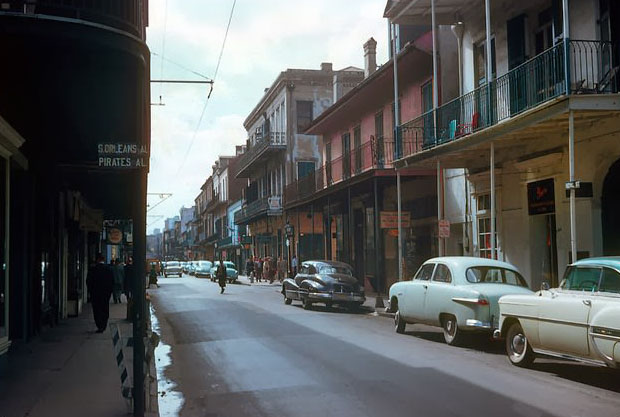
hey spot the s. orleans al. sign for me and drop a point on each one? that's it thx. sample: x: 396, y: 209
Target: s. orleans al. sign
x: 122, y: 155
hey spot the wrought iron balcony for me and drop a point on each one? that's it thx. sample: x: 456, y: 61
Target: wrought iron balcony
x: 374, y: 154
x: 591, y: 70
x: 257, y: 153
x: 126, y: 15
x: 267, y: 206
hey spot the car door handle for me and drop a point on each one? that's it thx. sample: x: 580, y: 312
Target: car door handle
x: 425, y: 286
x: 587, y: 302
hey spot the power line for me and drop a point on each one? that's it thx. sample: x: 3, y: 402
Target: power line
x: 217, y: 68
x: 180, y: 66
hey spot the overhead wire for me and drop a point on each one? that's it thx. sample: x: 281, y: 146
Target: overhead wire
x: 204, y: 107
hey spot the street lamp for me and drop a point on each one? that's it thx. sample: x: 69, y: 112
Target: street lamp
x: 288, y: 230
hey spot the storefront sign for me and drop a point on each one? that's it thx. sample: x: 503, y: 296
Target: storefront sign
x: 275, y: 203
x: 444, y: 229
x: 541, y: 197
x: 122, y: 155
x: 115, y: 236
x: 389, y: 219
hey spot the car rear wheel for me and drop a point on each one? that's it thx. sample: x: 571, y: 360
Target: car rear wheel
x: 287, y: 300
x: 306, y: 303
x: 518, y: 347
x: 399, y: 323
x: 451, y: 333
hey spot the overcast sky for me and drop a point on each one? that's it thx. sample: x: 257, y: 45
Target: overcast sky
x: 265, y: 37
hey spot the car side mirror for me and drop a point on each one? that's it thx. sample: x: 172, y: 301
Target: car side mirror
x: 544, y: 286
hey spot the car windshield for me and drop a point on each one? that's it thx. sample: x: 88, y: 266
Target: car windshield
x: 494, y: 275
x: 172, y: 263
x: 333, y: 269
x: 229, y: 265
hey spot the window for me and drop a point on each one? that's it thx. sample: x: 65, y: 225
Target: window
x: 480, y: 51
x: 442, y: 274
x: 582, y: 279
x: 425, y: 272
x: 304, y: 168
x: 346, y: 155
x: 483, y: 215
x: 610, y: 282
x: 328, y: 162
x: 333, y: 269
x: 379, y: 145
x: 304, y: 115
x: 494, y: 275
x: 357, y: 145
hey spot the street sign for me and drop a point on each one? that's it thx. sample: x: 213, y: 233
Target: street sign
x: 122, y: 155
x: 444, y: 229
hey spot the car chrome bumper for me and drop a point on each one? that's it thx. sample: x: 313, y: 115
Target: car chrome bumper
x: 478, y: 324
x: 336, y: 297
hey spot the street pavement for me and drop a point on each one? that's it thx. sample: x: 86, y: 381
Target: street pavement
x: 245, y: 353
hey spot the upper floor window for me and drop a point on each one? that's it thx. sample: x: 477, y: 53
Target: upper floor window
x: 304, y: 115
x: 480, y: 63
x: 304, y: 168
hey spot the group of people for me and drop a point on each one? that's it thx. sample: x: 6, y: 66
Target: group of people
x: 268, y: 268
x: 105, y: 281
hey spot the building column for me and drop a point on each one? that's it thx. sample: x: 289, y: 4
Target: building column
x: 378, y: 269
x: 573, y: 184
x: 492, y: 175
x: 439, y: 208
x: 400, y: 227
x: 397, y: 137
x: 435, y: 81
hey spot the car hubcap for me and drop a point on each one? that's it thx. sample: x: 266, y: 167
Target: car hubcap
x: 450, y: 327
x: 518, y: 344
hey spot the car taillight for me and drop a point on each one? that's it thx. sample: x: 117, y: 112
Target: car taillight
x: 483, y: 302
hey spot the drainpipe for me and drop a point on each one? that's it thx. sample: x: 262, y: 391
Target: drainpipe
x: 492, y: 174
x: 435, y: 84
x: 397, y: 138
x: 573, y: 184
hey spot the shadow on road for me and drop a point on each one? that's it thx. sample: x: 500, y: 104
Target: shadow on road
x: 604, y: 378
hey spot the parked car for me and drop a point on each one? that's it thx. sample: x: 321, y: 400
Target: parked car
x: 191, y: 269
x: 173, y: 268
x: 231, y: 271
x: 203, y: 269
x: 327, y: 282
x: 578, y: 320
x: 458, y: 294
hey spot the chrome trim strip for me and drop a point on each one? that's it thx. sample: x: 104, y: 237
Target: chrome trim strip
x: 569, y: 357
x: 606, y: 332
x: 465, y: 300
x: 524, y: 316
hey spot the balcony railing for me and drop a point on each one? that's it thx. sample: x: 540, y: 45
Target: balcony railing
x: 271, y: 141
x: 374, y: 154
x: 536, y: 81
x: 270, y: 206
x: 126, y: 15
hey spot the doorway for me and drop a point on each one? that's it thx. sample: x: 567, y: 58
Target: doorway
x: 358, y: 244
x: 610, y: 207
x: 544, y: 249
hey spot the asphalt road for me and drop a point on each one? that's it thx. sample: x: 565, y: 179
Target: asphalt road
x: 245, y: 353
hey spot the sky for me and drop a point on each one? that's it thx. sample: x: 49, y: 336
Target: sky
x: 265, y: 38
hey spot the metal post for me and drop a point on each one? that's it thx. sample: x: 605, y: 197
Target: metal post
x: 397, y: 137
x: 400, y: 228
x: 489, y: 54
x: 312, y: 238
x: 435, y: 83
x: 139, y: 294
x: 379, y: 299
x: 350, y: 241
x: 566, y: 30
x: 492, y: 174
x: 571, y: 168
x: 439, y: 208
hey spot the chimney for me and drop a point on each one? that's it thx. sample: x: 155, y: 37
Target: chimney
x: 370, y: 57
x: 337, y: 86
x: 326, y: 66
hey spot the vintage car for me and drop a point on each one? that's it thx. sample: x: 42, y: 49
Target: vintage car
x: 327, y: 282
x: 191, y: 268
x: 458, y: 293
x: 173, y: 268
x: 203, y: 269
x: 579, y: 320
x: 231, y: 271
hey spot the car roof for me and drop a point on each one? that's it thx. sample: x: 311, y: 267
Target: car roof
x: 469, y: 261
x: 327, y: 262
x: 612, y: 261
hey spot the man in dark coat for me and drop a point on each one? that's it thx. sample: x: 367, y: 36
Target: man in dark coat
x: 100, y: 283
x: 221, y: 276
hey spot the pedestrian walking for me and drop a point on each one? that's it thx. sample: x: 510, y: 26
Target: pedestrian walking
x: 266, y: 269
x: 249, y: 268
x: 259, y: 269
x: 100, y: 283
x: 119, y: 280
x: 221, y: 276
x: 282, y: 268
x: 294, y: 265
x: 153, y: 276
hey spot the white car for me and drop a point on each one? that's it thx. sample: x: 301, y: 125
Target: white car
x: 579, y: 320
x: 457, y: 293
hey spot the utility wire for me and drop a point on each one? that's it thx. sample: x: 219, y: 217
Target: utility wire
x: 181, y: 66
x: 217, y: 68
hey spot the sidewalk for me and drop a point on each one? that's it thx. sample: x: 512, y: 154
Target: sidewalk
x: 67, y: 371
x: 369, y: 304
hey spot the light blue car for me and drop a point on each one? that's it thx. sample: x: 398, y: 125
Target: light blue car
x: 459, y: 294
x: 231, y: 271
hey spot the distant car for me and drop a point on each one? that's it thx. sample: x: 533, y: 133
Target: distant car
x: 458, y: 294
x: 579, y: 320
x: 203, y: 269
x: 173, y: 268
x: 326, y: 282
x: 231, y: 271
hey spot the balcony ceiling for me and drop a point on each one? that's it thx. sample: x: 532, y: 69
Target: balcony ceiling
x: 417, y: 12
